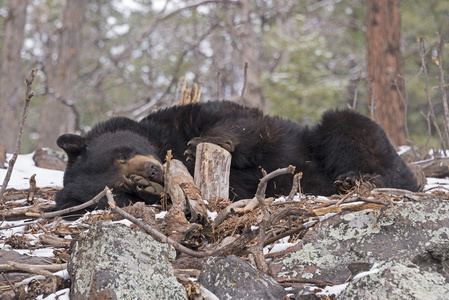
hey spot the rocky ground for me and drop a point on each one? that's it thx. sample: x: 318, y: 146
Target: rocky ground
x: 380, y: 244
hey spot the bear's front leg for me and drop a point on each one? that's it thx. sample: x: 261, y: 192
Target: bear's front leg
x: 224, y: 142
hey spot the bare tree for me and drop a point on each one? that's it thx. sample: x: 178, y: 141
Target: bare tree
x: 385, y: 67
x: 11, y: 75
x: 60, y: 66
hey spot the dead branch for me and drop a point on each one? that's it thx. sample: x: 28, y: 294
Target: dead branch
x: 54, y: 241
x: 28, y: 95
x: 247, y: 205
x: 160, y: 237
x: 183, y: 192
x: 398, y: 192
x: 58, y: 213
x: 31, y: 211
x: 260, y: 193
x: 296, y: 187
x: 32, y: 191
x: 318, y: 283
x: 44, y: 270
x: 257, y: 249
x: 230, y: 209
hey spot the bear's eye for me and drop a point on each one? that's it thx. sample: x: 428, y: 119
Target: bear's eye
x: 122, y: 156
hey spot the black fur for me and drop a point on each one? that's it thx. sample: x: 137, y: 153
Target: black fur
x: 343, y: 144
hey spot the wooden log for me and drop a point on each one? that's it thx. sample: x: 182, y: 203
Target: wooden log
x: 212, y: 167
x: 438, y: 167
x: 184, y: 193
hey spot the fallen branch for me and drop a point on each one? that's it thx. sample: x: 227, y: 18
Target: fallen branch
x: 257, y: 249
x: 318, y: 283
x: 28, y: 95
x: 34, y: 210
x: 398, y: 192
x: 238, y: 244
x: 44, y: 270
x: 160, y: 237
x: 61, y: 212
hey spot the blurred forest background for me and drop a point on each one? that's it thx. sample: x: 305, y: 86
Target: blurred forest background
x: 101, y: 58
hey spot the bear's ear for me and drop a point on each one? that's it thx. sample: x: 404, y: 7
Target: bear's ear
x: 72, y: 144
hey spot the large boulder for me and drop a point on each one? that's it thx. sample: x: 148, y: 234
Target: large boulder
x: 112, y: 261
x: 353, y: 242
x: 233, y: 278
x: 399, y: 279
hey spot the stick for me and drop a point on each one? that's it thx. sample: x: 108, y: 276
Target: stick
x: 28, y: 95
x: 94, y: 200
x: 160, y: 237
x: 257, y: 249
x: 45, y: 270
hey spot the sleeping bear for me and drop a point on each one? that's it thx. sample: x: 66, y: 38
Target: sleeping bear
x: 343, y: 148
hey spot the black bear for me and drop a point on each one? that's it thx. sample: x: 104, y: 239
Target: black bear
x: 342, y: 148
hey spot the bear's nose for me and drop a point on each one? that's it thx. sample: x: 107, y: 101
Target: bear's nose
x: 154, y: 172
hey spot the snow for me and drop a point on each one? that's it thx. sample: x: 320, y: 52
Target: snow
x: 24, y: 168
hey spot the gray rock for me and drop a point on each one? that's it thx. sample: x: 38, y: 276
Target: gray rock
x: 115, y: 262
x: 233, y: 278
x: 350, y: 243
x: 398, y: 280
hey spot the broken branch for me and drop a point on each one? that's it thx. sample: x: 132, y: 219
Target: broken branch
x: 28, y: 95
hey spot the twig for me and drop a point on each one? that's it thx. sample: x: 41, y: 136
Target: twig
x: 257, y: 249
x: 296, y: 187
x: 11, y: 285
x: 282, y: 235
x: 28, y: 95
x: 260, y: 193
x: 94, y: 200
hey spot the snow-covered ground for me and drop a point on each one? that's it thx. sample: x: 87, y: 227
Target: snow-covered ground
x: 24, y: 168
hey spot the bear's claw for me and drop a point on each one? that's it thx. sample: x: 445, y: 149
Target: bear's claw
x: 347, y: 181
x: 225, y: 143
x: 141, y: 186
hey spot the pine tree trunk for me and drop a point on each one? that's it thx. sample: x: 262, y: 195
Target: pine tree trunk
x: 12, y: 78
x: 385, y: 67
x: 56, y: 117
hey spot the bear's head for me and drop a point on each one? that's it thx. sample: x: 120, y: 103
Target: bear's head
x: 107, y: 156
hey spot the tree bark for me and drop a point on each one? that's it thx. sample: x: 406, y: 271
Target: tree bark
x: 56, y: 117
x: 385, y: 67
x: 212, y: 168
x: 11, y: 75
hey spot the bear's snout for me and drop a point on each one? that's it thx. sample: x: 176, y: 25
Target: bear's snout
x: 144, y: 165
x: 154, y: 171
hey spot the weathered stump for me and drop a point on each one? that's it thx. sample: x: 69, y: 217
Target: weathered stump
x: 212, y: 169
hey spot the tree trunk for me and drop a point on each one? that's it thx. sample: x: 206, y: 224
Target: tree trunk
x: 11, y: 75
x: 56, y: 117
x: 385, y: 67
x: 253, y: 96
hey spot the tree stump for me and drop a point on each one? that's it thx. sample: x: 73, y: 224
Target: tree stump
x: 212, y: 167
